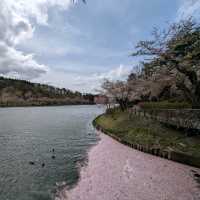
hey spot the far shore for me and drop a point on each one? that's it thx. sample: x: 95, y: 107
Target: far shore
x: 44, y: 105
x: 116, y: 171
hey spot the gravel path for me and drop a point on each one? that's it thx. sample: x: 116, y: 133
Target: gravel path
x: 117, y: 172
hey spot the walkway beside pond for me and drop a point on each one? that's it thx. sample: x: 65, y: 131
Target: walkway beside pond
x: 117, y: 172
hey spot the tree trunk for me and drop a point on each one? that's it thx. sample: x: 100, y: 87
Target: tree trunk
x: 123, y: 104
x: 196, y: 102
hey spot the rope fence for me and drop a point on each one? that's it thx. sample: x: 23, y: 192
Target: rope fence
x: 181, y: 118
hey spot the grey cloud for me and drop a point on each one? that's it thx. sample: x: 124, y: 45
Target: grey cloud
x: 15, y: 28
x: 21, y: 27
x: 15, y: 63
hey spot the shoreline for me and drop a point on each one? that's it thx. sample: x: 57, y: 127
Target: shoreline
x: 115, y: 171
x: 50, y: 105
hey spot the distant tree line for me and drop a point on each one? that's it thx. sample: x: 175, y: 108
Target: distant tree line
x: 13, y: 89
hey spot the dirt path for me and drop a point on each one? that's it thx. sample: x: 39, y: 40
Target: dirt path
x: 117, y: 172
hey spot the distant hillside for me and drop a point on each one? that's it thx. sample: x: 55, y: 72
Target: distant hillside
x: 23, y: 93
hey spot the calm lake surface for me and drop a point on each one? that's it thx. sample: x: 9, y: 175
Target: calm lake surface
x: 30, y: 135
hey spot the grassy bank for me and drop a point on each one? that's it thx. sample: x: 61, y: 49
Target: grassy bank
x: 147, y: 132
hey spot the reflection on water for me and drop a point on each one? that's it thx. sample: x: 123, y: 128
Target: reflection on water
x: 40, y: 148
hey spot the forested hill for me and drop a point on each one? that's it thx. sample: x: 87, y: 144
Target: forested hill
x: 24, y: 93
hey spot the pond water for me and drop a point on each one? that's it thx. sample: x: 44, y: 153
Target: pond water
x: 41, y: 149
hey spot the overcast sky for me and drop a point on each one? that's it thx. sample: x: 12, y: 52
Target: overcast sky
x: 77, y: 46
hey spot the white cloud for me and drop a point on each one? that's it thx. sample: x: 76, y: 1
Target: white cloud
x: 94, y: 81
x: 189, y: 8
x: 84, y: 83
x: 17, y: 21
x: 37, y: 9
x: 118, y: 73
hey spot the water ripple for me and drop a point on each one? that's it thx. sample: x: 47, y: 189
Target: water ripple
x: 42, y: 148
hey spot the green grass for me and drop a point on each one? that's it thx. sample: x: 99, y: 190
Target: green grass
x: 139, y: 130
